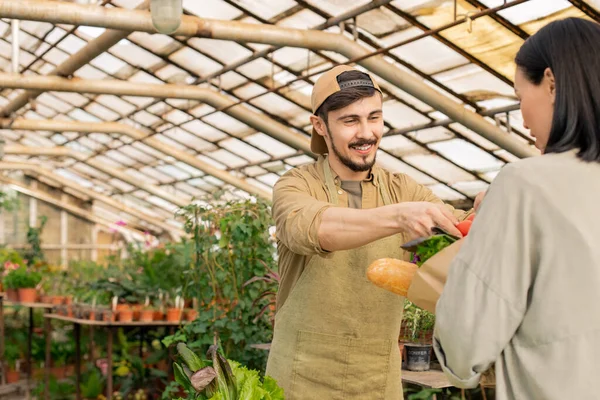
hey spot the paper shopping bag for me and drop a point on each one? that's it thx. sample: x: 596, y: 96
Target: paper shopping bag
x: 429, y: 280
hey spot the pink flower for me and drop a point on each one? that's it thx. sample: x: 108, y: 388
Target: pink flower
x: 103, y: 365
x: 9, y: 266
x: 118, y: 224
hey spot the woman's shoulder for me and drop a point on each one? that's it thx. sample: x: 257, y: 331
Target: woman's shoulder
x: 548, y: 176
x: 546, y: 164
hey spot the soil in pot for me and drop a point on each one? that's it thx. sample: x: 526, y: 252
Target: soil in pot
x: 418, y: 356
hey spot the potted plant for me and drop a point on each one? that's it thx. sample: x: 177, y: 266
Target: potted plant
x: 147, y: 314
x: 24, y: 280
x: 419, y: 324
x: 12, y: 355
x: 9, y: 260
x: 175, y: 311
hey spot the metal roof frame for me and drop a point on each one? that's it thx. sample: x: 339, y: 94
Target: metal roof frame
x: 165, y: 141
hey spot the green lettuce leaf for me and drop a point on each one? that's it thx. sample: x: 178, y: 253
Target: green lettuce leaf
x: 432, y: 246
x: 273, y: 391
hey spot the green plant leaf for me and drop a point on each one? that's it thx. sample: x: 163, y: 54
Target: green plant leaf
x: 225, y: 380
x: 193, y: 362
x: 273, y: 391
x: 182, y: 378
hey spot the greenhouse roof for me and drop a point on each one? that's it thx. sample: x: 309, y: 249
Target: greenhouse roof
x: 245, y: 119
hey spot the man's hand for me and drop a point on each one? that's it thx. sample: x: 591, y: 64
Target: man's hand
x: 418, y: 218
x: 478, y: 200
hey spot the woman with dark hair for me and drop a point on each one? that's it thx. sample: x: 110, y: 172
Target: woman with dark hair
x: 523, y: 292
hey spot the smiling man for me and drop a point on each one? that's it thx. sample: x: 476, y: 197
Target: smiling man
x: 336, y: 333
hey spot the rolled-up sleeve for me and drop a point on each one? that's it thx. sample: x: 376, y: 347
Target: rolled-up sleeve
x: 298, y: 215
x: 485, y: 296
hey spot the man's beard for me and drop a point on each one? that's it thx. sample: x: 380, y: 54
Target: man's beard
x: 356, y: 167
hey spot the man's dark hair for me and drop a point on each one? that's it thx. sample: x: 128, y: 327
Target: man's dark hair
x: 347, y: 96
x: 569, y: 48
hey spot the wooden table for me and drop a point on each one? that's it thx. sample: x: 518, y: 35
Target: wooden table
x: 31, y: 306
x: 433, y: 379
x: 110, y: 326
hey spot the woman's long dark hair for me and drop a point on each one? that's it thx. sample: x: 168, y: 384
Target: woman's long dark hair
x: 571, y: 49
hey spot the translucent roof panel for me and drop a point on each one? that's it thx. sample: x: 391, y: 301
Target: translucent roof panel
x: 530, y: 10
x: 467, y: 155
x: 472, y: 64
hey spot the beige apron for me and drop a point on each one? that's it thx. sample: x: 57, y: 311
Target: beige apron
x: 336, y: 336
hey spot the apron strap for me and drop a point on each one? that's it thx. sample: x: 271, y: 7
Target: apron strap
x: 331, y: 188
x: 387, y: 200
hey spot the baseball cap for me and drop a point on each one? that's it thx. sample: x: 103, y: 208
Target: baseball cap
x: 326, y: 85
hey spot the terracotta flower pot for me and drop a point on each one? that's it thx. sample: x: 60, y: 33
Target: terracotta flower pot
x: 158, y: 315
x: 126, y: 315
x: 57, y: 300
x: 12, y: 295
x: 58, y: 372
x: 191, y: 315
x: 402, y: 351
x: 137, y: 309
x: 122, y: 306
x: 108, y: 316
x: 27, y: 295
x: 69, y: 370
x: 174, y: 314
x: 147, y: 315
x: 12, y: 376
